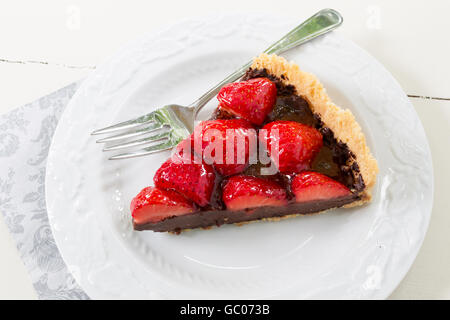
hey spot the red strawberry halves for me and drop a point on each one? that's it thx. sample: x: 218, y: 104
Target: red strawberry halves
x: 292, y: 145
x: 153, y: 205
x: 225, y: 144
x: 242, y: 192
x: 251, y: 100
x: 309, y: 186
x: 184, y: 151
x: 194, y: 181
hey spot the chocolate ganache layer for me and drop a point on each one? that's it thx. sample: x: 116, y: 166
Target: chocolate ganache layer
x: 208, y: 218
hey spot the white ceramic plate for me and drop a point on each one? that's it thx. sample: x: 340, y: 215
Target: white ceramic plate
x: 357, y: 253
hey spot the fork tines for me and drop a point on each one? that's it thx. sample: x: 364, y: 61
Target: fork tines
x: 139, y: 129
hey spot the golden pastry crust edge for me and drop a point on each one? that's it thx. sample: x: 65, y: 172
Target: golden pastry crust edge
x: 340, y: 121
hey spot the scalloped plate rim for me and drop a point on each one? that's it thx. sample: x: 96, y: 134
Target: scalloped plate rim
x: 59, y: 241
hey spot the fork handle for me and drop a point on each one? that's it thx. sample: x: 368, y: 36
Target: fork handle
x: 322, y: 22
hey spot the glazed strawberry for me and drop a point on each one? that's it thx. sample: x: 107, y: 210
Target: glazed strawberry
x: 192, y: 180
x: 241, y: 192
x: 184, y: 151
x: 251, y: 100
x: 154, y: 205
x: 292, y: 145
x: 308, y: 186
x: 225, y: 144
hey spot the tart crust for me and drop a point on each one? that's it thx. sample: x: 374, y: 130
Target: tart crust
x: 340, y: 121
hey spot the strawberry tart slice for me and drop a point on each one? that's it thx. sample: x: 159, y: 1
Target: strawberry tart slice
x: 275, y: 147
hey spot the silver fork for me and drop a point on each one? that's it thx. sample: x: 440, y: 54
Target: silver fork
x: 165, y: 127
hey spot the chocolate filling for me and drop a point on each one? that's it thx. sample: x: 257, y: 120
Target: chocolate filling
x: 204, y: 219
x: 334, y: 160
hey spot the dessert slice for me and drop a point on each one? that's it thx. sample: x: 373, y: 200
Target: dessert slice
x: 316, y: 156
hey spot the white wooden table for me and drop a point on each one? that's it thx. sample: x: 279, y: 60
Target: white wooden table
x: 48, y: 44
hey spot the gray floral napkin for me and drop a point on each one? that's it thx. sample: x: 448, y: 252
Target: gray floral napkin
x: 25, y: 137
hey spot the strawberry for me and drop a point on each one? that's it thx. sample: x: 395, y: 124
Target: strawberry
x: 251, y: 100
x: 308, y: 186
x: 154, y: 205
x: 293, y: 146
x: 241, y: 192
x: 225, y: 144
x: 192, y: 180
x: 184, y: 151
